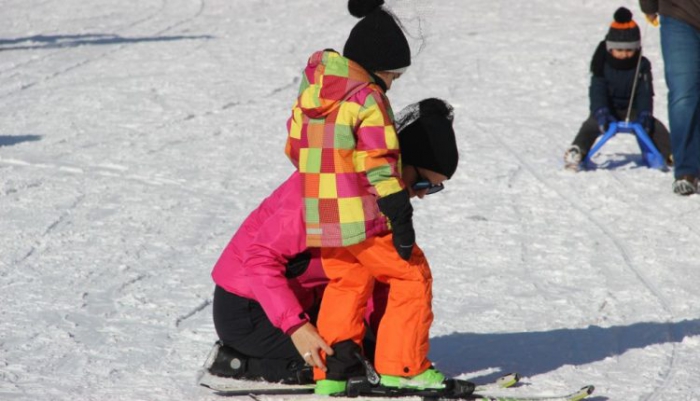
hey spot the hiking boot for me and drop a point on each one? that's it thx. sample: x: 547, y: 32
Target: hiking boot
x: 430, y: 379
x: 572, y: 158
x: 330, y: 387
x: 227, y: 362
x: 685, y: 185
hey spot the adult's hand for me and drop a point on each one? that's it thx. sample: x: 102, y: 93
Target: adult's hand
x: 308, y: 342
x: 653, y: 19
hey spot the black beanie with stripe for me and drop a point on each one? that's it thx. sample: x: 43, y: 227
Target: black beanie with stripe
x: 624, y: 32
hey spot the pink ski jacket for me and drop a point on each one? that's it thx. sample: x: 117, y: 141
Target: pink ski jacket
x: 254, y: 262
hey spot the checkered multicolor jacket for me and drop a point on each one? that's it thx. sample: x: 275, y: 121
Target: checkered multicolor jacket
x: 343, y: 141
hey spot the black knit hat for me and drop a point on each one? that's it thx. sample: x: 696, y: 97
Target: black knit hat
x: 377, y: 41
x: 426, y: 137
x: 624, y: 32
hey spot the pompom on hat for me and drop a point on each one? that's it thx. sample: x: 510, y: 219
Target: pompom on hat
x: 377, y: 41
x: 427, y: 138
x: 623, y: 32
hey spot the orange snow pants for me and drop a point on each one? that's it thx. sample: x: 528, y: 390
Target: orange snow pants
x: 403, y: 336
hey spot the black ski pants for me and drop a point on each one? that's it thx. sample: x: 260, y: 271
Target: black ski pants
x: 242, y: 325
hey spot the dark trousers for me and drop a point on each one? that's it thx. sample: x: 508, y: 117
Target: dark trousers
x: 680, y: 46
x: 242, y: 325
x: 589, y: 132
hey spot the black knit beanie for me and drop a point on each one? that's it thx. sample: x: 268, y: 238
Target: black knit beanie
x: 377, y: 41
x: 429, y: 141
x: 623, y: 32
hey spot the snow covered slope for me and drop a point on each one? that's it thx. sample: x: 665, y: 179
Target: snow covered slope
x: 136, y: 135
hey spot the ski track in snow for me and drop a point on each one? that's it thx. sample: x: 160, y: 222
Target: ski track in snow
x: 108, y: 171
x: 624, y: 252
x: 668, y: 373
x: 86, y: 61
x: 61, y: 218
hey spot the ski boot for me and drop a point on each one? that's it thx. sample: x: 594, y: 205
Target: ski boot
x: 224, y: 361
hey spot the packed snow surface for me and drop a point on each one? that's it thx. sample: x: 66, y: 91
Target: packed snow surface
x: 136, y: 135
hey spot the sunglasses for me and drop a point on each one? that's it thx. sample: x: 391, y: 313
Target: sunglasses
x: 422, y: 183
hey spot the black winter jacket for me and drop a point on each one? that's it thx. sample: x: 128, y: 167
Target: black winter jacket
x: 612, y: 87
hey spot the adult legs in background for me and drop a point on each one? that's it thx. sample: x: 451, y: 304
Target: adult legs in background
x: 680, y: 45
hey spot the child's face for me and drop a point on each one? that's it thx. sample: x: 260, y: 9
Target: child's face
x: 410, y: 176
x: 622, y: 54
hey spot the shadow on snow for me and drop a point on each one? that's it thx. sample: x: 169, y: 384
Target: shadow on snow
x: 533, y: 353
x: 59, y: 41
x: 8, y: 140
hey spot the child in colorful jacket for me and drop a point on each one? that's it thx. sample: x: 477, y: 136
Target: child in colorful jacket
x: 343, y: 141
x: 614, y: 71
x: 269, y: 284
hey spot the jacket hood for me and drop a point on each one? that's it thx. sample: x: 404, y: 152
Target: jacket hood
x: 328, y: 80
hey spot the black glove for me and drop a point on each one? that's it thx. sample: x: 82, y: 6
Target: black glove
x: 397, y: 208
x: 646, y: 120
x: 297, y: 265
x: 604, y: 118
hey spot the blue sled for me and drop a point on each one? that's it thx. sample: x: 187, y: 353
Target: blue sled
x: 652, y: 157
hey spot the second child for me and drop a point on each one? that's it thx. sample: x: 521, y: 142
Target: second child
x: 343, y: 141
x: 614, y: 71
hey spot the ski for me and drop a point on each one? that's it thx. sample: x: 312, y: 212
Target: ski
x: 459, y: 390
x: 281, y: 389
x: 232, y: 387
x: 481, y: 393
x: 574, y: 396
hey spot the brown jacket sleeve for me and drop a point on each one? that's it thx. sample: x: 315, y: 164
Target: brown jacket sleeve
x: 687, y: 11
x: 649, y: 6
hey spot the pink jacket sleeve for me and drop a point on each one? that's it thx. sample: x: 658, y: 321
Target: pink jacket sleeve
x: 278, y: 239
